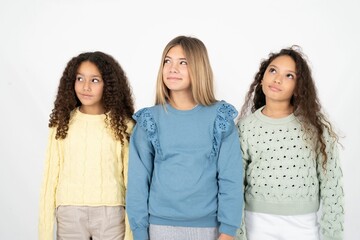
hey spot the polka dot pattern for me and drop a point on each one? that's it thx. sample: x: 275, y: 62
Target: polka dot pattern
x: 282, y: 170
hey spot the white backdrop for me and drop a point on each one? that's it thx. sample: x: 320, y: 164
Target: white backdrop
x: 39, y: 37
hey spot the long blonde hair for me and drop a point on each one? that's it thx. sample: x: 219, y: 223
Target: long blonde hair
x: 200, y: 71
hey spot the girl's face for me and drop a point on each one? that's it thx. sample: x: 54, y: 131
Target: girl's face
x: 279, y: 81
x: 89, y: 87
x: 175, y: 71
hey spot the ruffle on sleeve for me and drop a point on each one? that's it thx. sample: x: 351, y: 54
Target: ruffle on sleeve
x: 146, y: 121
x: 224, y: 122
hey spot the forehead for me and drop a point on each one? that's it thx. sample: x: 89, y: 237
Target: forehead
x: 284, y: 62
x: 176, y: 52
x: 88, y: 66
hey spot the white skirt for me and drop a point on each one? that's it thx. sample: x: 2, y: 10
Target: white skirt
x: 261, y: 226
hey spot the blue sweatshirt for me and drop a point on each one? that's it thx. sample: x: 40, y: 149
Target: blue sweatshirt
x: 185, y: 169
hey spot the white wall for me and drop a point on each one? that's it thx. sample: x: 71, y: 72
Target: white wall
x: 39, y: 37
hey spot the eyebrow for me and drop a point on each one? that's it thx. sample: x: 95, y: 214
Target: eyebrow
x: 172, y: 58
x: 272, y: 65
x: 98, y: 76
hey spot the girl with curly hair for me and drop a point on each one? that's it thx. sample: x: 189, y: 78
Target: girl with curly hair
x: 85, y: 173
x: 185, y: 167
x: 290, y: 155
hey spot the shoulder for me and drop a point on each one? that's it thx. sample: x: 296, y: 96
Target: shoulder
x: 247, y: 120
x: 249, y: 124
x: 225, y: 115
x: 52, y: 132
x: 145, y: 118
x: 147, y: 112
x: 74, y: 114
x: 225, y: 110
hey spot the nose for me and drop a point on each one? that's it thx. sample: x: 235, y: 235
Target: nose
x: 278, y: 79
x: 86, y: 86
x: 173, y: 68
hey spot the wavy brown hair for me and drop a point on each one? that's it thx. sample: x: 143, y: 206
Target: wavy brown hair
x: 117, y: 96
x: 305, y: 101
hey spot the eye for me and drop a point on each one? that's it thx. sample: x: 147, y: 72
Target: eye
x: 95, y: 80
x: 290, y: 76
x: 79, y: 78
x: 166, y: 61
x: 272, y: 70
x: 183, y: 62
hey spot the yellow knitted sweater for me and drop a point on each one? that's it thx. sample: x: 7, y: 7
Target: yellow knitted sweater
x: 87, y: 168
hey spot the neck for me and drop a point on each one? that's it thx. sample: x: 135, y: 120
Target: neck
x: 182, y: 101
x: 91, y: 110
x: 278, y: 110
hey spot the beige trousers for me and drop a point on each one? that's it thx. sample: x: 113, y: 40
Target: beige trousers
x: 95, y: 223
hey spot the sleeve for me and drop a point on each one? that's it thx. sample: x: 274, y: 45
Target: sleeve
x: 230, y: 171
x: 241, y: 232
x: 125, y: 161
x: 128, y: 232
x: 141, y: 157
x: 48, y: 189
x: 331, y: 193
x: 125, y: 155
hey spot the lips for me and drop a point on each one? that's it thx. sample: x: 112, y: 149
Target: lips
x: 173, y: 78
x: 274, y: 88
x: 85, y: 96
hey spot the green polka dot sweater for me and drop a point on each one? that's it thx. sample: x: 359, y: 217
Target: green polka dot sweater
x: 284, y: 176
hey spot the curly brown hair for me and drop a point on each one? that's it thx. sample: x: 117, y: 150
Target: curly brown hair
x: 305, y: 101
x: 117, y: 96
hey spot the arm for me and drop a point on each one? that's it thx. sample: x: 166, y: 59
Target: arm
x: 141, y: 157
x: 241, y: 232
x: 230, y: 179
x: 230, y: 182
x: 331, y: 194
x: 48, y: 189
x: 124, y: 167
x: 125, y: 156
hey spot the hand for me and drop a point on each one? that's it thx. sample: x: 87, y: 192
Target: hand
x: 224, y: 236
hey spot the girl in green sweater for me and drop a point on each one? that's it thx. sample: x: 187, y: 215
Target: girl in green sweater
x: 290, y: 156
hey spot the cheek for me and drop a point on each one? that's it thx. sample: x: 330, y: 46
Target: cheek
x: 291, y: 90
x: 261, y: 86
x: 77, y: 86
x: 101, y: 91
x: 165, y: 69
x: 265, y: 79
x: 185, y: 72
x: 293, y: 86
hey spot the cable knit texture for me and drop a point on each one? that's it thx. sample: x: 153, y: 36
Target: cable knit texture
x: 284, y: 176
x: 87, y: 168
